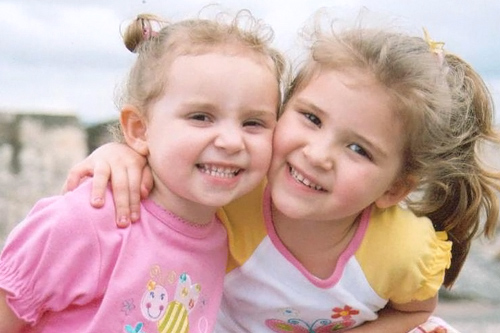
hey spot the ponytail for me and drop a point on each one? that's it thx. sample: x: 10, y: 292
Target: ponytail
x: 467, y: 195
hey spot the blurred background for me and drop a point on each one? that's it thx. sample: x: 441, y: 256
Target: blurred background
x: 62, y: 60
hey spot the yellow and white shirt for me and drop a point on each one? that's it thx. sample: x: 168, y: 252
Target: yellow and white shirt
x: 394, y: 256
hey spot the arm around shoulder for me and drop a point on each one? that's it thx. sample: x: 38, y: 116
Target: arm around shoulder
x: 400, y: 317
x: 9, y: 322
x: 130, y: 178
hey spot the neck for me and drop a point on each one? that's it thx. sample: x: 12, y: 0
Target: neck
x: 316, y: 244
x: 194, y: 213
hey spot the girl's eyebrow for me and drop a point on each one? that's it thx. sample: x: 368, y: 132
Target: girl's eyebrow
x: 261, y: 113
x: 198, y: 105
x: 309, y: 105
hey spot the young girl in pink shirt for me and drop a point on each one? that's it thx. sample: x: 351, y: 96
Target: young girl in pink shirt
x: 200, y: 105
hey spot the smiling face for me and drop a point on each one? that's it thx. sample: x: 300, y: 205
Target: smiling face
x: 338, y: 147
x: 209, y: 137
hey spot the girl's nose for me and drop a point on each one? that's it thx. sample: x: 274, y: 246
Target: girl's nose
x: 230, y: 139
x: 319, y: 155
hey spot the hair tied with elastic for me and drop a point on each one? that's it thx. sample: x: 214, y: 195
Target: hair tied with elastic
x: 435, y: 47
x: 143, y: 28
x: 147, y: 29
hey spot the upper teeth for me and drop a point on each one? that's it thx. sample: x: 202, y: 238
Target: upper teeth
x: 301, y: 179
x: 223, y: 172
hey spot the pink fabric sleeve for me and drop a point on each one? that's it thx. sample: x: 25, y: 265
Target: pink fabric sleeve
x: 52, y: 258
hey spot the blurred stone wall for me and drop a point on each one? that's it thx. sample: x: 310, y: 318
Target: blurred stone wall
x: 36, y: 152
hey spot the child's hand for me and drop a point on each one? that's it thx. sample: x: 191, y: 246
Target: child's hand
x: 128, y: 172
x: 9, y: 322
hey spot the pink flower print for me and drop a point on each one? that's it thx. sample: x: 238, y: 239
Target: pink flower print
x: 347, y: 312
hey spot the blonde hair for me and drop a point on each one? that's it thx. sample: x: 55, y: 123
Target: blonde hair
x: 447, y: 112
x: 158, y: 42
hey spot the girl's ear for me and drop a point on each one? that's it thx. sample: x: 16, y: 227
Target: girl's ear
x: 397, y: 192
x: 134, y: 127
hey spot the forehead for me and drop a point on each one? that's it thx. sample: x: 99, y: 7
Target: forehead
x: 215, y: 81
x: 348, y: 86
x: 194, y: 64
x: 243, y: 66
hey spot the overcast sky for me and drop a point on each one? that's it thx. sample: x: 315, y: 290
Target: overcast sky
x: 67, y: 55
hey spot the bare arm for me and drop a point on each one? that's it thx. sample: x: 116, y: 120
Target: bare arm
x: 9, y: 322
x: 130, y: 178
x: 400, y: 317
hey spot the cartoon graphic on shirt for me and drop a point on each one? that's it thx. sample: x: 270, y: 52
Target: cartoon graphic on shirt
x: 128, y: 306
x: 176, y: 314
x: 154, y: 301
x: 136, y: 329
x: 173, y: 315
x: 297, y: 325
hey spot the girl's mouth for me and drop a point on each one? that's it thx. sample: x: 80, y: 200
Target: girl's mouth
x: 303, y: 180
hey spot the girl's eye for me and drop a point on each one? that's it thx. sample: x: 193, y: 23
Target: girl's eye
x: 254, y: 123
x: 312, y: 118
x: 359, y: 150
x: 199, y: 117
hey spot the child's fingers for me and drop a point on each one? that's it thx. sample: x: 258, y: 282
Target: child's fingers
x: 77, y: 174
x: 102, y: 175
x: 147, y: 182
x: 135, y: 179
x: 121, y: 194
x: 140, y: 186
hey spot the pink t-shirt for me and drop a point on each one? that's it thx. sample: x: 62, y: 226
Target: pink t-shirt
x: 68, y: 268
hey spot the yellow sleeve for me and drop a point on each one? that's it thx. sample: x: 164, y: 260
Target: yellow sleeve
x: 402, y: 256
x: 244, y: 221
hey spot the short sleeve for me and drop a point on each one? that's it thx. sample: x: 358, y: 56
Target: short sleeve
x: 402, y: 256
x: 51, y: 259
x: 432, y: 267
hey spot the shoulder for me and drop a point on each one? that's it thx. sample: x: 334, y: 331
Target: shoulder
x: 396, y: 225
x: 61, y: 222
x: 394, y: 234
x: 71, y: 210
